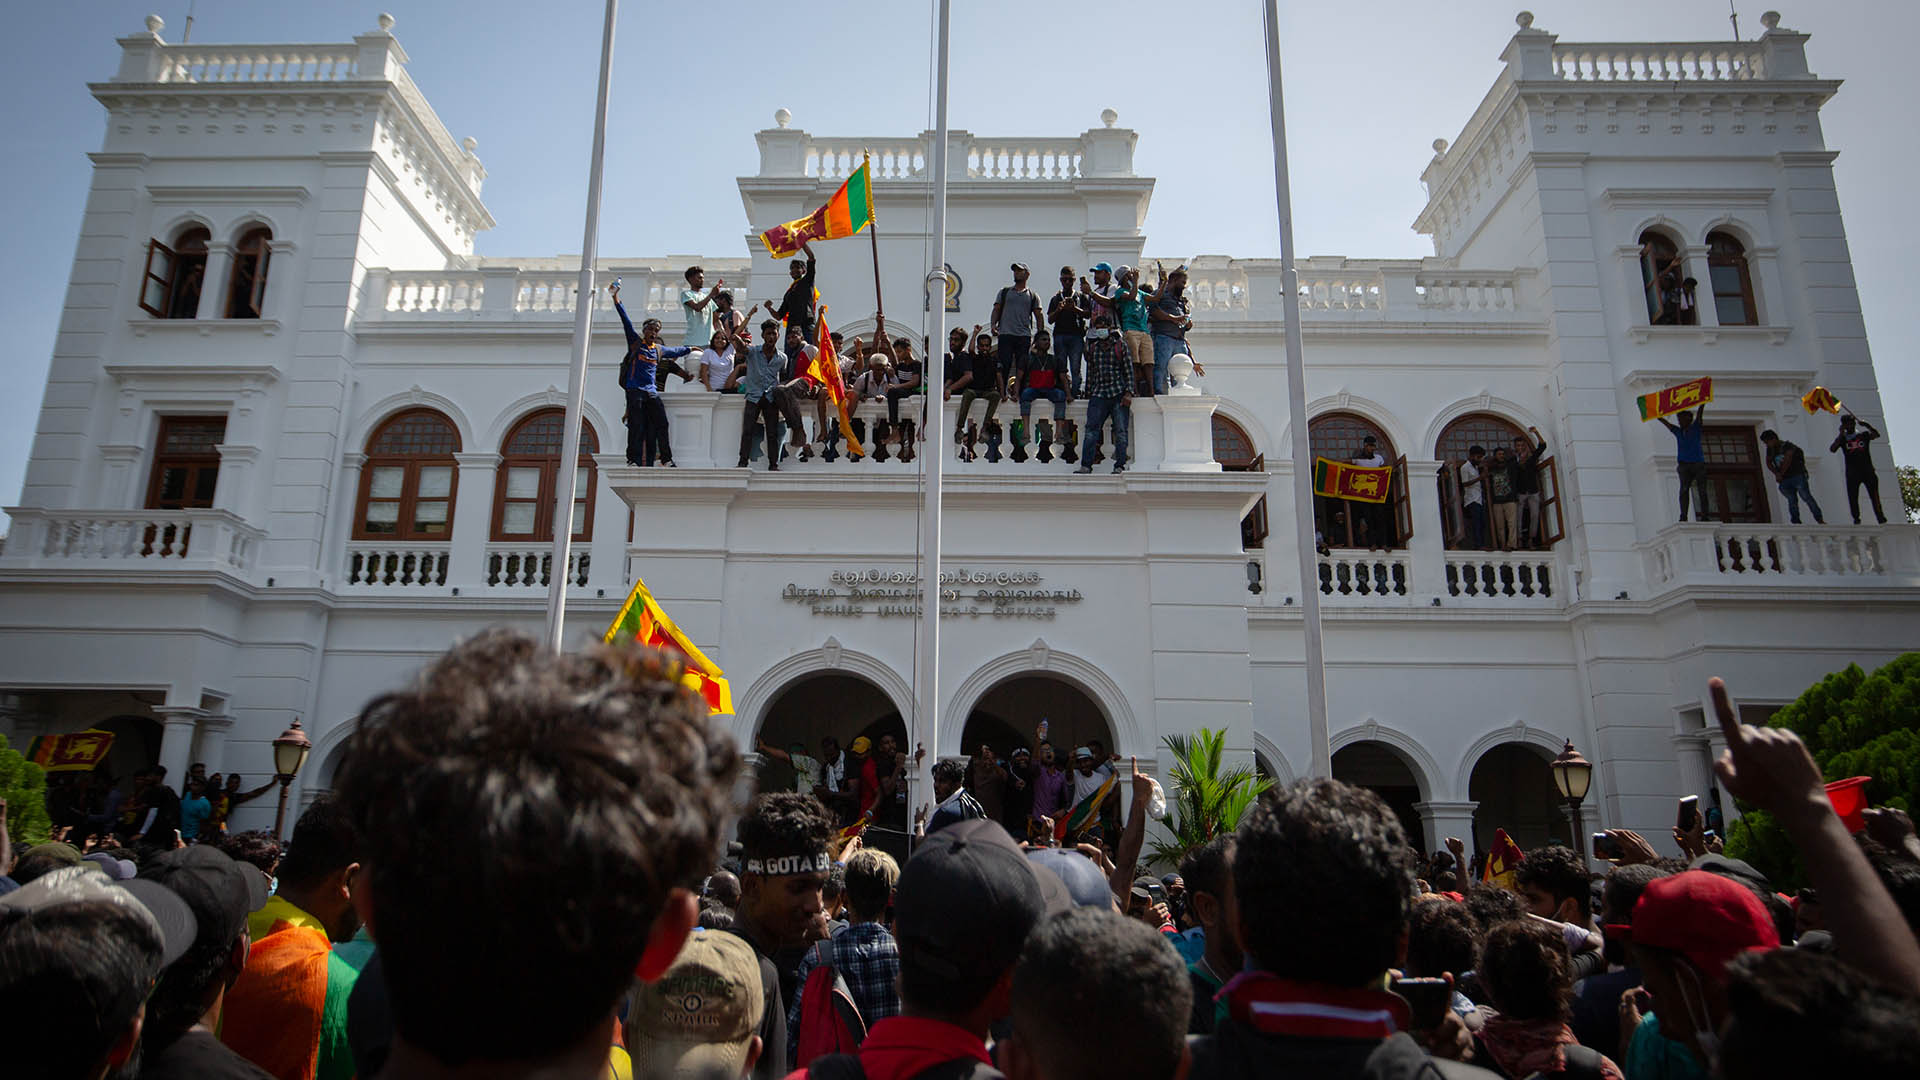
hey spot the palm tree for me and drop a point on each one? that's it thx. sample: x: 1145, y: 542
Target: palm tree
x: 1210, y: 800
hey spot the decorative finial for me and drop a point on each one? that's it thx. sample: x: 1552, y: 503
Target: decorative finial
x: 1109, y: 117
x: 1525, y: 20
x: 1439, y: 146
x: 1770, y: 20
x: 782, y: 117
x: 386, y: 22
x: 155, y: 24
x: 469, y: 144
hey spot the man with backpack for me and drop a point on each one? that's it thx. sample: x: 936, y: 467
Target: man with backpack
x: 847, y: 982
x: 1016, y: 311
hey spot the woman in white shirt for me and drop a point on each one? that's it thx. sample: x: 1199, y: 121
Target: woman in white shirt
x: 717, y: 364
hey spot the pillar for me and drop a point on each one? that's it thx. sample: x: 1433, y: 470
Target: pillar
x: 213, y: 286
x: 1439, y: 820
x: 211, y: 747
x: 177, y: 726
x: 472, y: 518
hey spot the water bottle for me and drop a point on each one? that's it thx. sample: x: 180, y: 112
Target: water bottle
x: 1043, y: 729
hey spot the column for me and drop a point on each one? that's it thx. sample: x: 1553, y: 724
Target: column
x: 1696, y: 763
x: 211, y: 748
x: 1186, y: 431
x: 1439, y: 820
x: 213, y: 286
x: 1694, y: 265
x: 472, y: 519
x: 234, y: 485
x: 1427, y: 547
x: 608, y: 543
x: 177, y: 726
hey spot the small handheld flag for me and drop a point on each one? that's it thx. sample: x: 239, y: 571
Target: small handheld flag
x: 849, y: 211
x: 1502, y: 861
x: 1688, y: 395
x: 642, y: 619
x: 1820, y: 398
x: 1356, y: 483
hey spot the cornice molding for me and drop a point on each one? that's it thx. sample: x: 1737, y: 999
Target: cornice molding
x: 1615, y: 198
x: 199, y: 194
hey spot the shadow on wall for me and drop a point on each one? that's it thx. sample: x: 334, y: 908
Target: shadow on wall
x: 1006, y: 716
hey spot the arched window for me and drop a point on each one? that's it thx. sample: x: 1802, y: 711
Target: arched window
x: 1663, y: 278
x: 1233, y: 449
x: 1487, y: 432
x: 175, y: 272
x: 248, y: 286
x: 529, y: 479
x: 1732, y: 281
x: 408, y: 484
x: 1341, y: 437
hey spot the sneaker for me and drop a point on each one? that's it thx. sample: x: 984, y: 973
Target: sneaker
x: 741, y: 464
x: 1088, y: 469
x: 1119, y: 468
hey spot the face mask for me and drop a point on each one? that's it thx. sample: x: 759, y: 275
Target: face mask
x: 1096, y: 333
x: 1704, y: 1035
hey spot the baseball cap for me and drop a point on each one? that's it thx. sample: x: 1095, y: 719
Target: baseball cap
x: 860, y: 745
x: 66, y: 853
x: 697, y: 1019
x: 1106, y: 267
x: 167, y: 913
x: 1705, y: 917
x: 1081, y: 752
x: 117, y: 869
x: 1084, y: 881
x: 965, y: 902
x: 1019, y: 266
x: 220, y: 892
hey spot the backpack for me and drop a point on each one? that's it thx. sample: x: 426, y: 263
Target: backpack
x: 848, y: 1067
x: 830, y: 1022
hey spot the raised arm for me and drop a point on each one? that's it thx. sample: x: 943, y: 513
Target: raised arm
x: 633, y: 336
x: 773, y: 752
x: 1126, y: 854
x: 1665, y: 424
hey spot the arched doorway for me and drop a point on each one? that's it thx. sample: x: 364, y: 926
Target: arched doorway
x: 1376, y: 767
x: 1514, y: 790
x: 1007, y: 717
x: 1346, y: 523
x: 817, y: 706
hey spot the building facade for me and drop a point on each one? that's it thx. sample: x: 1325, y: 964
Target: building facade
x: 297, y: 438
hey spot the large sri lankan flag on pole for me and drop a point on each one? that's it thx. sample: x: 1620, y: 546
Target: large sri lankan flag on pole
x: 642, y: 620
x: 849, y: 211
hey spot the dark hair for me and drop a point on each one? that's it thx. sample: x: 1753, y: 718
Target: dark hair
x: 1476, y: 448
x: 786, y: 822
x: 180, y: 997
x: 77, y: 974
x: 1492, y: 905
x: 951, y: 772
x: 1623, y: 887
x: 256, y: 846
x: 526, y: 817
x: 1799, y: 1013
x: 324, y: 841
x: 768, y: 324
x: 1204, y: 868
x: 692, y: 270
x: 1324, y: 875
x: 1526, y: 970
x: 1441, y: 938
x: 1089, y: 977
x: 644, y: 323
x: 871, y: 877
x: 1768, y: 435
x: 1560, y: 873
x: 835, y: 886
x: 1900, y: 876
x: 32, y: 866
x: 716, y: 917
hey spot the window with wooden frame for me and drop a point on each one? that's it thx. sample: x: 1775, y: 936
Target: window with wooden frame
x: 1489, y: 433
x: 1736, y: 480
x: 1350, y: 523
x: 1732, y: 281
x: 247, y: 285
x: 170, y: 288
x: 1663, y: 278
x: 186, y: 463
x: 528, y: 481
x: 408, y: 483
x: 1233, y: 449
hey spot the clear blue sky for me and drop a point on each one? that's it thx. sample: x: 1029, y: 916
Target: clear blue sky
x: 1369, y: 87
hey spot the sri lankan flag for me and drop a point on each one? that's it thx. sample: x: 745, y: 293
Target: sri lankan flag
x: 78, y: 752
x: 641, y: 619
x: 1086, y: 812
x: 825, y: 370
x: 1820, y: 398
x: 1688, y: 395
x: 1359, y: 483
x: 1502, y: 861
x: 849, y: 211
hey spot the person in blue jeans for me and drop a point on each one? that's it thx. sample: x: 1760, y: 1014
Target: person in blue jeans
x: 1043, y: 375
x: 1068, y: 311
x: 1788, y: 464
x: 646, y: 415
x: 1693, y: 459
x: 1168, y: 314
x: 1109, y: 392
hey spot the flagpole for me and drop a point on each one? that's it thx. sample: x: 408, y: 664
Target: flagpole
x: 1322, y: 756
x: 557, y: 574
x: 933, y: 457
x: 873, y: 234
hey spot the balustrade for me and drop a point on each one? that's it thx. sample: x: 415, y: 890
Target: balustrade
x: 1371, y: 574
x: 1713, y: 61
x: 108, y: 539
x: 530, y: 566
x: 1497, y: 576
x: 1705, y: 553
x: 258, y: 63
x: 397, y: 566
x: 1447, y: 292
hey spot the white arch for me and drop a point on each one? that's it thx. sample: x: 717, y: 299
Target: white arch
x: 831, y: 658
x: 1277, y: 761
x: 378, y: 413
x: 551, y: 397
x: 1485, y: 403
x: 1381, y: 416
x: 1414, y: 756
x: 252, y: 219
x: 1042, y: 659
x: 329, y: 744
x: 170, y: 232
x: 1249, y: 422
x: 1749, y: 234
x: 1545, y: 741
x: 1675, y: 231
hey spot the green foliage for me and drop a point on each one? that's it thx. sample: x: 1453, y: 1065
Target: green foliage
x: 1855, y: 724
x: 1909, y: 489
x: 24, y: 785
x: 1209, y: 799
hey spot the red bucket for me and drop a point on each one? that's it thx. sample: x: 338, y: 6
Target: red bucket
x: 1849, y: 798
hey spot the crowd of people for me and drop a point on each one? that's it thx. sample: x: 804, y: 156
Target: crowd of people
x: 524, y: 871
x: 1499, y: 495
x: 1108, y: 340
x: 1786, y: 462
x: 93, y: 810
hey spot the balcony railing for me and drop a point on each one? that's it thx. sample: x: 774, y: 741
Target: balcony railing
x: 529, y: 295
x: 1350, y: 291
x: 530, y: 566
x: 1367, y: 575
x: 1709, y: 61
x: 130, y: 539
x: 397, y: 566
x: 258, y: 63
x: 1019, y: 158
x: 1502, y: 577
x: 1834, y: 555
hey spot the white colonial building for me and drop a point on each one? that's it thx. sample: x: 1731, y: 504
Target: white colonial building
x: 298, y: 437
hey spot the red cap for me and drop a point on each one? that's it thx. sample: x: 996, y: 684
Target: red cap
x: 1705, y: 917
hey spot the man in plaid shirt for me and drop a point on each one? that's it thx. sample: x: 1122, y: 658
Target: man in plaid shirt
x: 864, y: 953
x: 1109, y: 392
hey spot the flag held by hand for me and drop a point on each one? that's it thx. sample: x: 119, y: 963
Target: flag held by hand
x: 849, y: 211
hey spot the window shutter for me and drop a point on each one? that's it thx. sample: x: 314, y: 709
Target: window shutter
x: 1550, y: 508
x: 156, y: 287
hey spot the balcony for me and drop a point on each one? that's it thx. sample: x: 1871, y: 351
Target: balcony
x: 1423, y: 578
x: 1711, y: 554
x: 130, y: 541
x: 453, y: 568
x: 542, y: 292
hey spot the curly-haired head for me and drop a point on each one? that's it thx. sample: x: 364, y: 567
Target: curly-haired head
x: 785, y: 823
x: 525, y: 817
x: 256, y: 847
x: 1324, y: 876
x: 1800, y: 1013
x: 1526, y: 970
x: 1549, y: 877
x: 1089, y: 978
x: 1492, y: 905
x: 1442, y: 938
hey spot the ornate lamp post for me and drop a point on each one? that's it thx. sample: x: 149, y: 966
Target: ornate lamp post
x: 1572, y: 774
x: 289, y: 753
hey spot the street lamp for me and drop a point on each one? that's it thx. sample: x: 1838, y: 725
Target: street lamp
x: 1572, y: 774
x: 289, y: 753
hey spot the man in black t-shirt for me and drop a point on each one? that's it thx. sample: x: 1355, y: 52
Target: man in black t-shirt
x: 1853, y: 445
x: 185, y: 1010
x: 796, y: 307
x: 1526, y: 485
x: 1069, y: 311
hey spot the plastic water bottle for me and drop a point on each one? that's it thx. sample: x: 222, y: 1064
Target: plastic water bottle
x: 1043, y: 729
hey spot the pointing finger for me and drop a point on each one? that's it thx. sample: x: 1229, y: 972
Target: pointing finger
x: 1730, y: 724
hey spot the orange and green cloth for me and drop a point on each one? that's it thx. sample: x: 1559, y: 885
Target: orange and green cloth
x: 642, y: 620
x: 1821, y: 399
x: 287, y: 1013
x: 849, y: 211
x: 1688, y: 395
x: 1086, y: 813
x: 79, y: 751
x: 824, y: 369
x: 1358, y: 483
